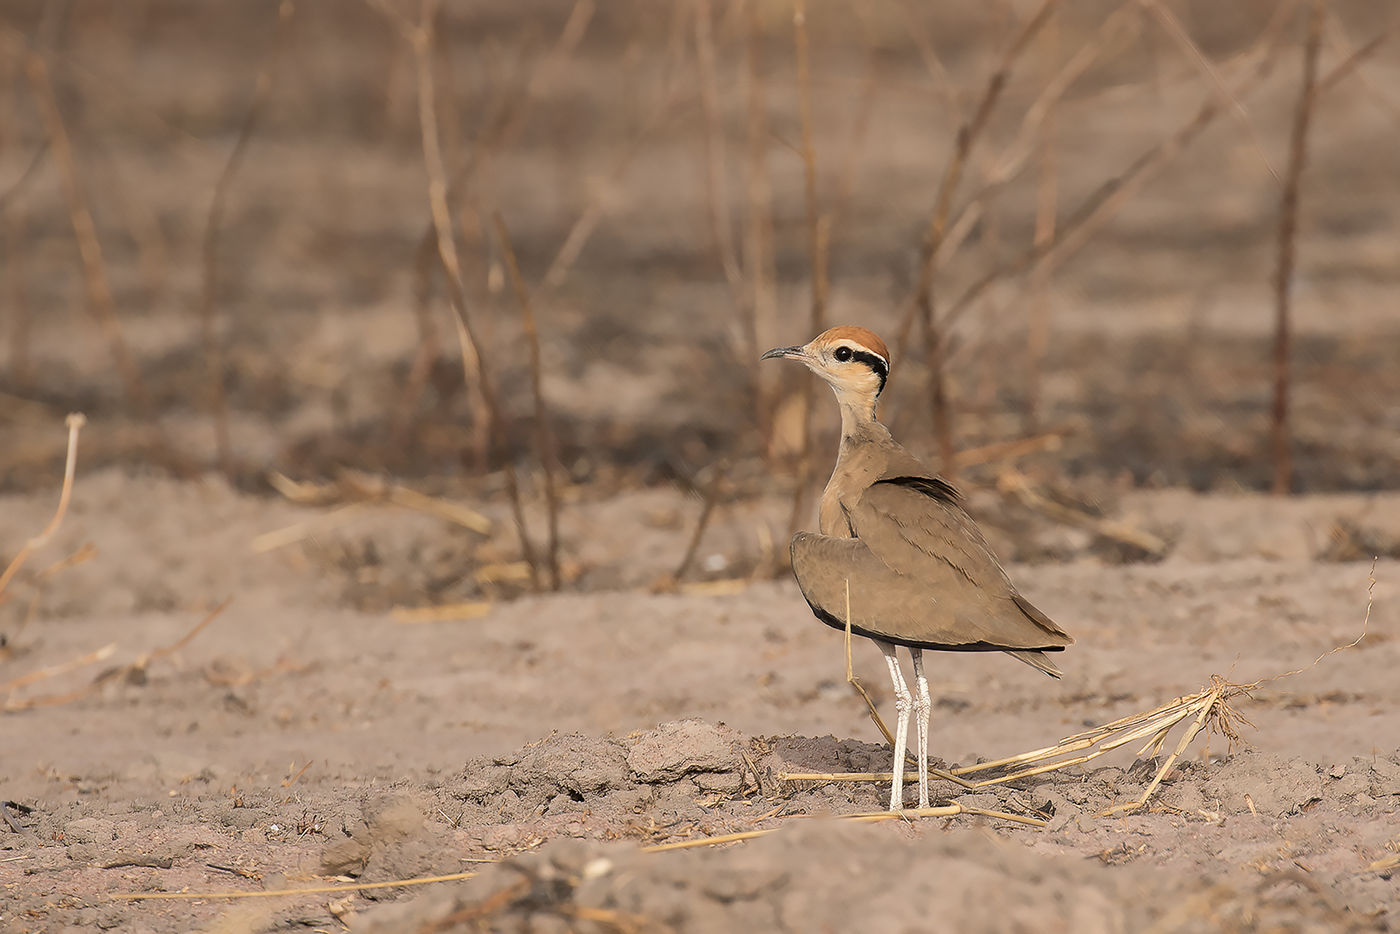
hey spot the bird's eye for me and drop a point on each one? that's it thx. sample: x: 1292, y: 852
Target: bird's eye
x: 842, y: 354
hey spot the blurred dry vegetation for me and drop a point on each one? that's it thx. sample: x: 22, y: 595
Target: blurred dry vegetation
x: 217, y: 240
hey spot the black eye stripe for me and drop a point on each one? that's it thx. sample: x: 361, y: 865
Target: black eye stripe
x: 876, y: 363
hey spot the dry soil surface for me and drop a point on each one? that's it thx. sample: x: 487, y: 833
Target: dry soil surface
x: 299, y: 739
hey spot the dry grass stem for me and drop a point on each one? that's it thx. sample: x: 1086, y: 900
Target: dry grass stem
x: 421, y: 40
x: 1365, y: 627
x: 854, y: 682
x: 1352, y: 62
x: 444, y: 509
x: 544, y: 434
x: 862, y: 817
x: 1280, y: 434
x: 708, y: 841
x: 310, y: 890
x: 75, y: 423
x: 1100, y: 206
x: 1013, y: 449
x: 359, y: 487
x: 184, y: 640
x: 213, y: 347
x: 1386, y: 864
x: 54, y: 671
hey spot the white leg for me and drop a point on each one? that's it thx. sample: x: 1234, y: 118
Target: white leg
x: 923, y: 705
x: 901, y: 730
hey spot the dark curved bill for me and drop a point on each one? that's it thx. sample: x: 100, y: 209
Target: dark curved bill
x: 784, y: 352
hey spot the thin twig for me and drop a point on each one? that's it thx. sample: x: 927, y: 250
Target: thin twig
x: 213, y: 347
x: 544, y: 435
x: 1365, y: 624
x: 1173, y: 27
x: 967, y: 135
x: 1105, y: 200
x: 184, y: 640
x: 1287, y: 251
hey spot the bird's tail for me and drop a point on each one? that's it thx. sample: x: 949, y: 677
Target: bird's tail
x: 1037, y: 659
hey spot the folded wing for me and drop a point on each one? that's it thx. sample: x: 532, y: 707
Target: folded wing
x: 920, y: 574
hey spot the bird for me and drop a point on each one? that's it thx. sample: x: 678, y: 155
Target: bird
x: 897, y: 550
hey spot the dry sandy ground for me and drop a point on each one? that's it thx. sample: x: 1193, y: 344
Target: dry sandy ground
x: 298, y: 738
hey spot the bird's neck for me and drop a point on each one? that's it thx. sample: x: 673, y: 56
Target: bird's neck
x: 857, y: 414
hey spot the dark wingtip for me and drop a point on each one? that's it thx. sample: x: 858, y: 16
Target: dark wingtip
x: 932, y: 487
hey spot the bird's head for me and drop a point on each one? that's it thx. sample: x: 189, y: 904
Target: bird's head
x: 852, y: 360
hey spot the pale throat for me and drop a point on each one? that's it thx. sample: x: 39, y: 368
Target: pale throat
x: 857, y: 410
